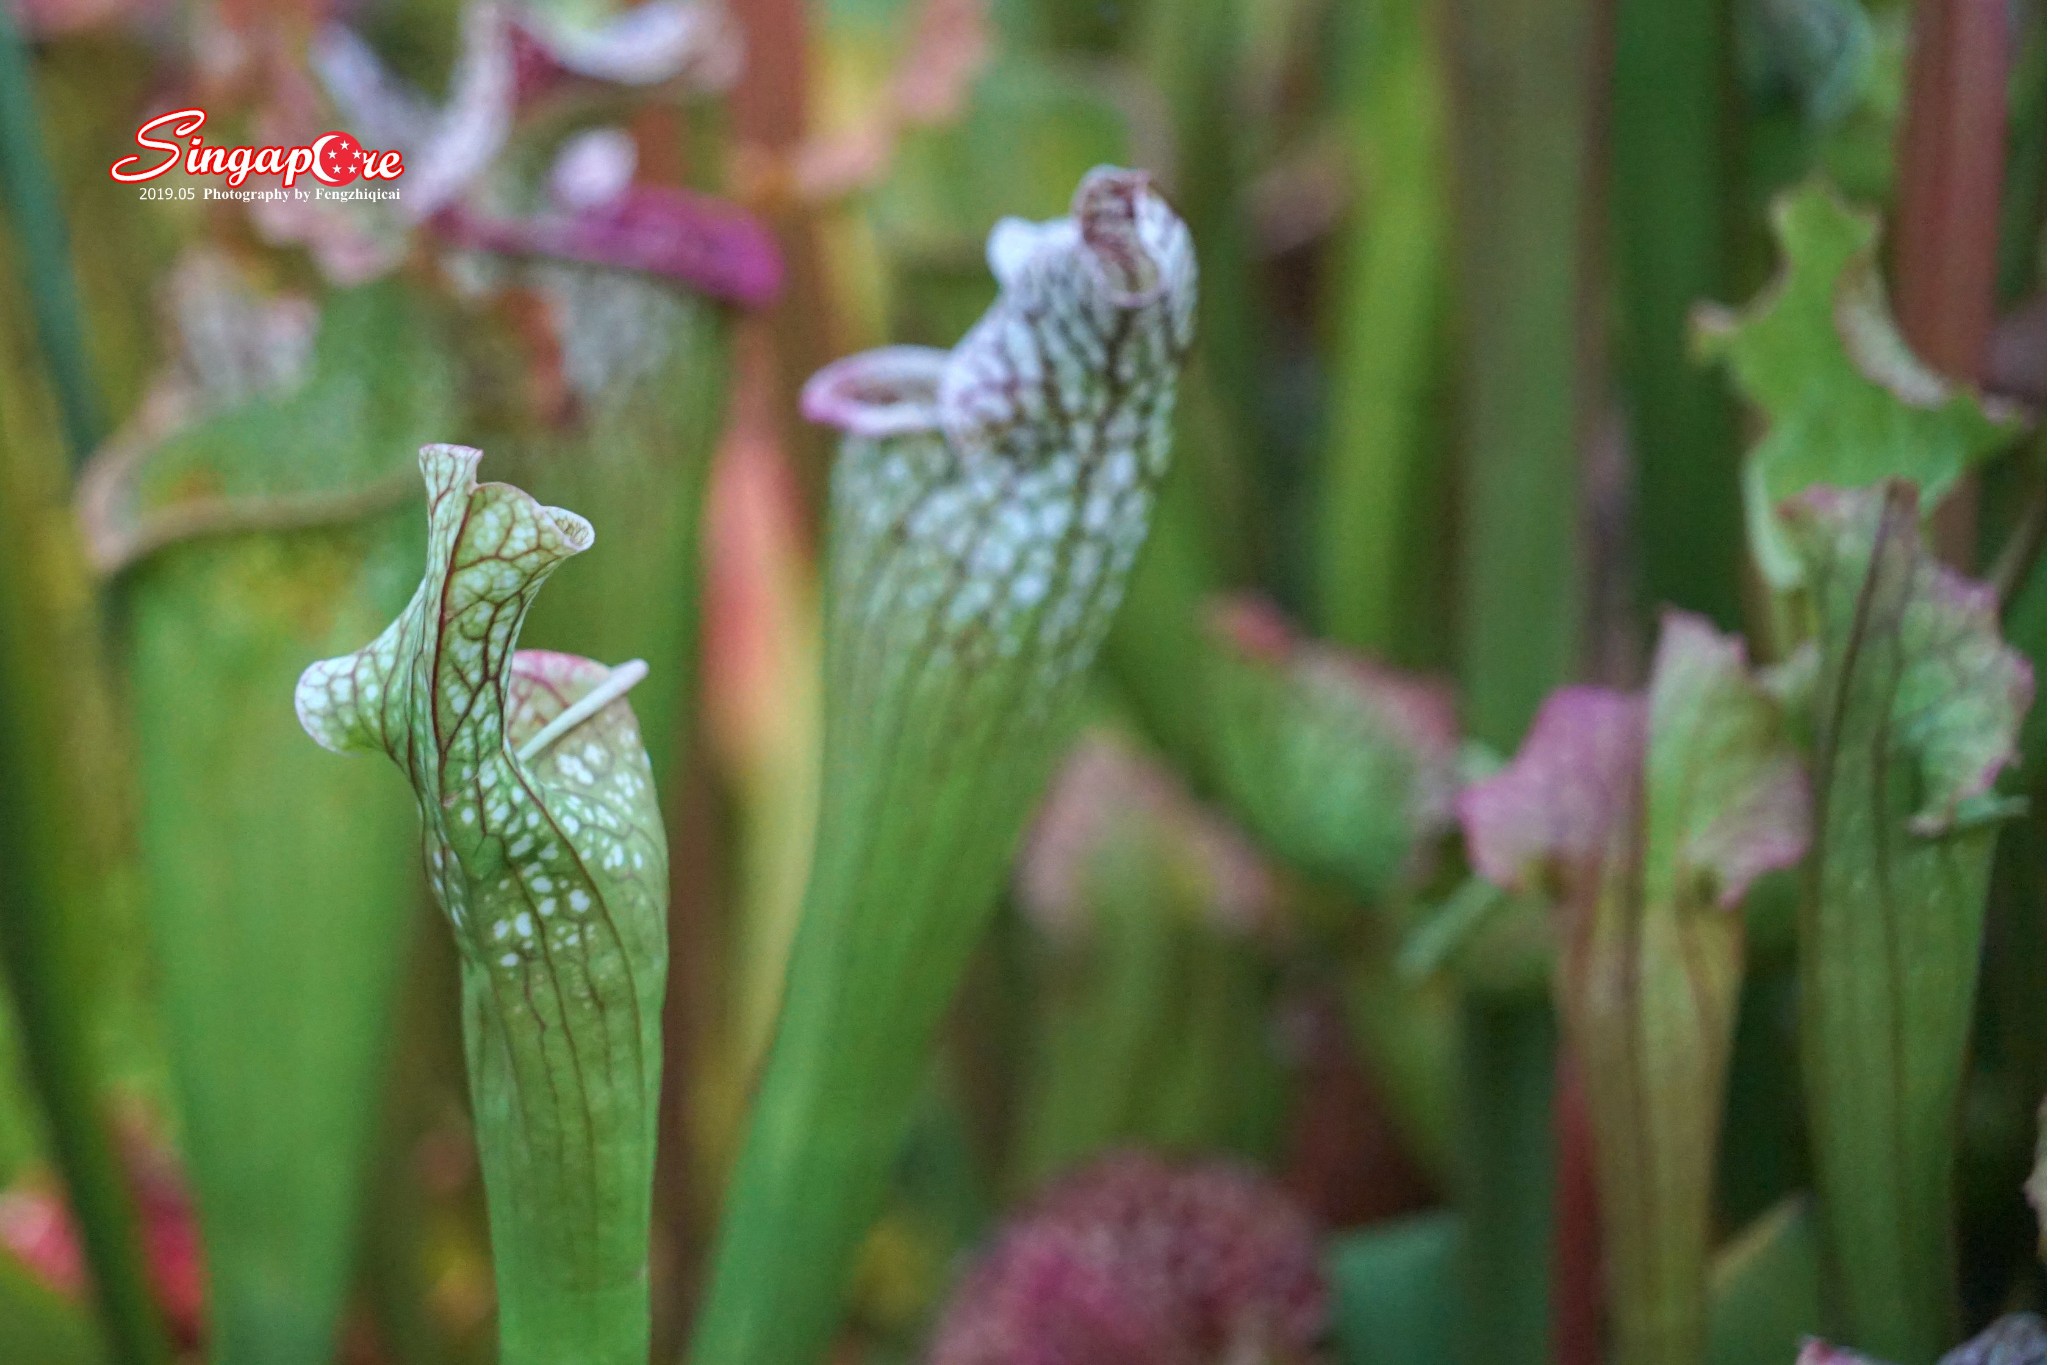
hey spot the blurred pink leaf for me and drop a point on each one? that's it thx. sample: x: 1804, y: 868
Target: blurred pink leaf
x: 1343, y: 767
x: 511, y: 54
x: 1686, y: 781
x: 38, y: 1229
x: 1568, y: 802
x: 694, y: 239
x: 1108, y: 795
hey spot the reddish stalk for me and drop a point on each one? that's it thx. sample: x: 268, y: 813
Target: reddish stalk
x: 1951, y: 173
x: 1576, y: 1299
x: 770, y: 117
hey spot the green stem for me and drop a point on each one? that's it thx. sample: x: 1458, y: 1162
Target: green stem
x: 1191, y: 50
x: 1506, y: 1047
x: 1521, y: 90
x: 568, y: 1240
x: 1651, y: 1009
x: 1670, y: 184
x: 46, y: 975
x: 1378, y: 458
x: 2019, y: 232
x: 238, y: 813
x: 37, y: 215
x: 1407, y: 1038
x: 835, y: 1104
x: 1884, y: 1152
x: 1156, y: 639
x: 1522, y: 78
x: 1097, y: 1042
x: 56, y: 800
x: 1918, y: 701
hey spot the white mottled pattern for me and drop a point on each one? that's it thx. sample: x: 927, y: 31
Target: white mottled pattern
x: 991, y: 500
x: 509, y: 841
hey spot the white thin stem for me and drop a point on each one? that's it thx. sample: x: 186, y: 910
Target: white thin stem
x: 619, y: 682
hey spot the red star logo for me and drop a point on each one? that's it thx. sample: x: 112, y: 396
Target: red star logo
x: 340, y: 158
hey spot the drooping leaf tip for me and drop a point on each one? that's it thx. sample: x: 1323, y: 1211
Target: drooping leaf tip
x: 1569, y: 795
x: 1750, y: 803
x: 1108, y: 798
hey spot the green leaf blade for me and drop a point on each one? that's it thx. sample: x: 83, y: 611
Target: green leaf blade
x: 1916, y: 708
x: 1845, y: 401
x: 281, y: 886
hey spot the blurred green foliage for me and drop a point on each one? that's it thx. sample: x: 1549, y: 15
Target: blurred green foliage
x: 1474, y: 391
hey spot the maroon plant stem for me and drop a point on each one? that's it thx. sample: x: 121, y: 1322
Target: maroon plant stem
x: 770, y: 116
x: 1575, y: 1288
x: 1951, y: 173
x: 686, y: 1197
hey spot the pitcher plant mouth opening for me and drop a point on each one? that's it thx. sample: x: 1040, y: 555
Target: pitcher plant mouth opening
x: 617, y: 683
x: 893, y: 391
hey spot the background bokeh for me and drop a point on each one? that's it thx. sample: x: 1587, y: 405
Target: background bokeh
x: 1450, y: 438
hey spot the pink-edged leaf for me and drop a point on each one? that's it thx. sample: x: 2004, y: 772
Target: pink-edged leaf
x: 508, y: 56
x: 1570, y: 800
x: 1845, y: 402
x: 709, y: 244
x: 1342, y: 766
x: 1109, y: 799
x: 1698, y: 781
x: 1727, y: 795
